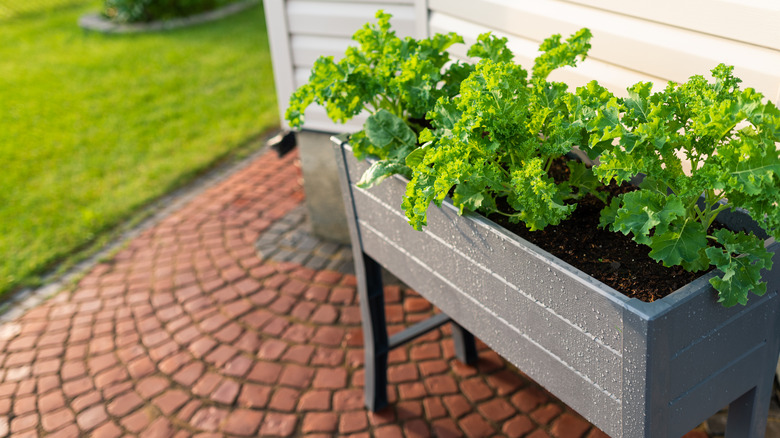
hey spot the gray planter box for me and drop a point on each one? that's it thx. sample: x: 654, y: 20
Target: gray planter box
x: 633, y: 369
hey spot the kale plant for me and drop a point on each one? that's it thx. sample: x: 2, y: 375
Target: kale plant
x: 499, y: 137
x: 729, y: 140
x: 395, y: 80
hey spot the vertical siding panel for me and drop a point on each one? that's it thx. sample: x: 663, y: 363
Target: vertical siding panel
x: 421, y: 18
x: 279, y: 42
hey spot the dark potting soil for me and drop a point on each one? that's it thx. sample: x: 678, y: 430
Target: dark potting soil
x: 610, y: 257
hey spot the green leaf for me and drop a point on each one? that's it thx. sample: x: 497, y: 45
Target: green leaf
x: 616, y: 164
x: 468, y: 196
x: 419, y: 195
x: 582, y: 177
x: 654, y: 185
x: 639, y: 214
x: 416, y: 157
x: 445, y: 114
x: 672, y: 209
x: 536, y: 197
x: 644, y: 211
x: 557, y: 54
x: 754, y: 173
x: 680, y: 245
x: 362, y: 146
x: 385, y: 129
x: 379, y: 171
x: 383, y: 75
x: 637, y: 101
x: 609, y: 213
x: 489, y: 46
x: 453, y: 76
x: 741, y: 260
x: 598, y: 111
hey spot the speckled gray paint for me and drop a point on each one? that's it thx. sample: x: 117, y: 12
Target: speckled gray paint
x: 634, y: 369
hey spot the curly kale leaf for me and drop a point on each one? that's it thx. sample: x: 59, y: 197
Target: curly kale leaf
x: 491, y: 47
x: 362, y: 146
x: 345, y: 88
x: 557, y: 54
x: 582, y: 179
x: 642, y: 211
x: 417, y: 83
x: 596, y: 111
x: 381, y: 170
x: 536, y: 197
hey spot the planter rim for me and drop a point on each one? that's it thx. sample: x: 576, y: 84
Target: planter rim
x: 647, y: 310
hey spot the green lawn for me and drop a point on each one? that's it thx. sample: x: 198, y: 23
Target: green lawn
x: 94, y: 127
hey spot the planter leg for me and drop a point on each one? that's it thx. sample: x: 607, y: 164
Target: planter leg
x: 465, y: 347
x: 375, y: 339
x: 748, y: 414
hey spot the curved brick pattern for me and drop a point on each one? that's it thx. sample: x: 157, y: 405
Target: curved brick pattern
x: 187, y: 331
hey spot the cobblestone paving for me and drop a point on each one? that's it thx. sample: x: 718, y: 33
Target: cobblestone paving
x: 187, y: 331
x: 290, y: 240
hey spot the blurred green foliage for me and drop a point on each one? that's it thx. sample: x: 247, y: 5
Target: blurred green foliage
x: 134, y: 11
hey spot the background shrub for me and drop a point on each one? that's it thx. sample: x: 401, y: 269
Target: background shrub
x: 131, y: 11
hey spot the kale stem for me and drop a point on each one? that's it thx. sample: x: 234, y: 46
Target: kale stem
x: 506, y: 214
x: 399, y: 109
x: 673, y: 190
x: 708, y: 215
x: 498, y: 102
x: 693, y: 204
x: 548, y: 164
x: 727, y: 131
x: 393, y: 107
x: 416, y: 127
x: 716, y: 212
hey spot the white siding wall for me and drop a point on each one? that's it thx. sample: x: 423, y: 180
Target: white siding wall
x: 634, y: 40
x: 302, y: 30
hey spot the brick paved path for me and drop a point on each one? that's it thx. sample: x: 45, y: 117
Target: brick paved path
x: 187, y: 331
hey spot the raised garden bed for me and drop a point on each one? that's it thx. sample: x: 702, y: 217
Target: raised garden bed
x: 631, y: 368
